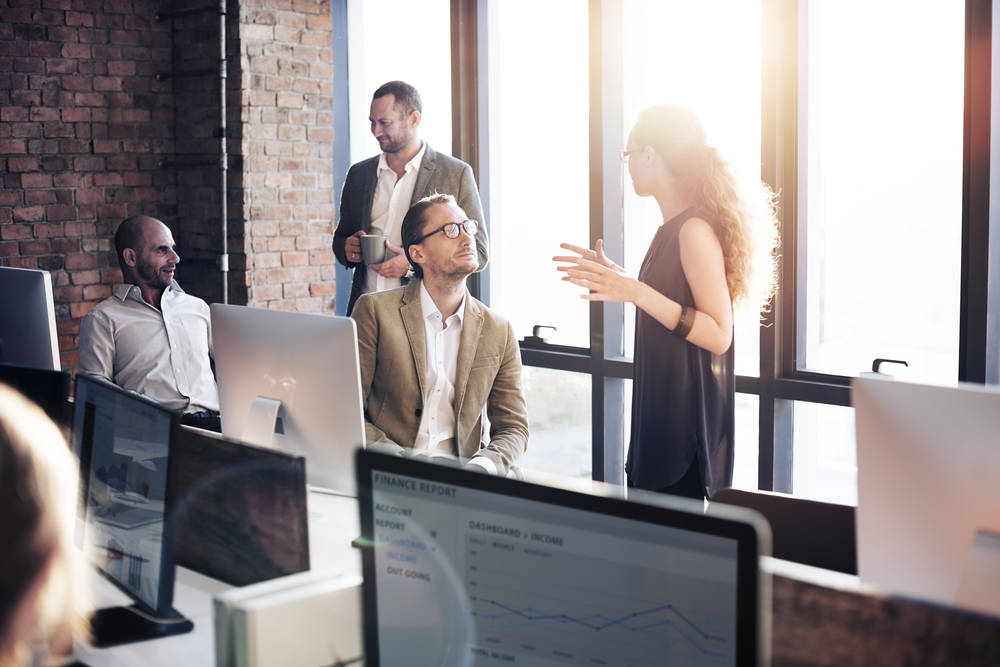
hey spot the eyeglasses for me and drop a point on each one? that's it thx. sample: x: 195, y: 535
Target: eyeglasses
x: 623, y: 155
x: 451, y: 230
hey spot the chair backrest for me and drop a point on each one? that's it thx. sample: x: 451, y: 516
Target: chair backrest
x: 804, y: 531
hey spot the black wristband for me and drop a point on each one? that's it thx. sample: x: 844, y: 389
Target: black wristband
x: 684, y: 324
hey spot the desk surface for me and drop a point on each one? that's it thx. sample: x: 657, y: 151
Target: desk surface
x: 330, y: 535
x: 820, y: 618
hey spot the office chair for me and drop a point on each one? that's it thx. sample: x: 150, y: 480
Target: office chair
x: 804, y: 531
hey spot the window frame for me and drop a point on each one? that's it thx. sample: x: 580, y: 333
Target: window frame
x: 779, y: 384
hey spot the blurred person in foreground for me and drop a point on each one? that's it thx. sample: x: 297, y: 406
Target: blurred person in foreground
x: 714, y: 250
x: 40, y: 568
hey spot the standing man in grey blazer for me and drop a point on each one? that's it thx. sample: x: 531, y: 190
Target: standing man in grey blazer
x: 380, y: 190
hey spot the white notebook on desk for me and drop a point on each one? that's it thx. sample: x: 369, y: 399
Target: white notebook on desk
x: 308, y: 619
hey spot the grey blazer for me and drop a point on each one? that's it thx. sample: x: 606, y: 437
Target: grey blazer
x: 438, y: 173
x: 391, y: 346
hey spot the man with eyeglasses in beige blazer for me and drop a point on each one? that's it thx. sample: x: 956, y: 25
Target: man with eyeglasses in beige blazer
x: 433, y: 357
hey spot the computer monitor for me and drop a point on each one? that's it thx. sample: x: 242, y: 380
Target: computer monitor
x: 928, y: 483
x: 292, y: 381
x: 28, y: 326
x: 125, y: 446
x: 241, y: 510
x: 469, y: 569
x: 46, y: 388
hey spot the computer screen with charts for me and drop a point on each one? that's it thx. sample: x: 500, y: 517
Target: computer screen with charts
x: 469, y: 569
x: 124, y: 444
x: 291, y: 381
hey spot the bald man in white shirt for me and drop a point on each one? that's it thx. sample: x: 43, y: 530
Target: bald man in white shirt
x: 151, y: 337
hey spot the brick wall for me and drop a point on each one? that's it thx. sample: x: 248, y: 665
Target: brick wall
x: 84, y: 127
x: 285, y: 140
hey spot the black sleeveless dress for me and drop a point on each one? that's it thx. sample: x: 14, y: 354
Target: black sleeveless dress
x: 682, y: 395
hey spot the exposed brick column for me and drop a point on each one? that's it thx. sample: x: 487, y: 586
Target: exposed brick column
x: 286, y: 143
x: 83, y: 124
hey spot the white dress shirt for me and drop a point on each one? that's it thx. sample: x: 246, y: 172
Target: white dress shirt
x: 161, y: 354
x: 442, y: 340
x: 392, y: 201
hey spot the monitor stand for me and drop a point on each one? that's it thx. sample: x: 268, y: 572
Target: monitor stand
x: 123, y: 625
x: 259, y: 427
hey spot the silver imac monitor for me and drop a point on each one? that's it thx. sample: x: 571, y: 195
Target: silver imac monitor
x: 292, y: 381
x: 28, y: 326
x: 928, y: 521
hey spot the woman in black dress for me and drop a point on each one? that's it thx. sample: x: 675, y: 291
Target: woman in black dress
x: 703, y: 259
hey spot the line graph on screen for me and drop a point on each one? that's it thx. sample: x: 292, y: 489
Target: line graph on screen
x: 647, y: 622
x: 579, y: 607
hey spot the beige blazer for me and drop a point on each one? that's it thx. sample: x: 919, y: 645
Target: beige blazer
x: 393, y: 371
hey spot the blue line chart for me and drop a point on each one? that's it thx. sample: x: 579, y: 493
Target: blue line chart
x: 644, y: 622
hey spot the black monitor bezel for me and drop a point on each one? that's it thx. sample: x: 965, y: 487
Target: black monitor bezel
x: 234, y: 456
x: 750, y: 588
x: 165, y: 594
x: 55, y: 403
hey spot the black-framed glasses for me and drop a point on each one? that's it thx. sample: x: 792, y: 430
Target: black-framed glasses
x: 623, y: 155
x: 452, y: 230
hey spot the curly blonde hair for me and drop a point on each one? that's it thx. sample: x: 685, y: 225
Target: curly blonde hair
x: 743, y: 217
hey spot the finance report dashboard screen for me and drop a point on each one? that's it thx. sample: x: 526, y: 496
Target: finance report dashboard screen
x: 464, y: 576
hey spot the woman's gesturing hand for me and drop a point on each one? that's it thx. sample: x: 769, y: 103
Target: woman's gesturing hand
x: 593, y: 270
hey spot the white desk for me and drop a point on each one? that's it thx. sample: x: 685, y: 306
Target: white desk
x: 330, y: 536
x: 330, y: 549
x: 821, y: 618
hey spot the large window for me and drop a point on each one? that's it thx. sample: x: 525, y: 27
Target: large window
x: 400, y: 40
x: 880, y: 187
x: 539, y: 145
x: 557, y: 118
x: 538, y: 194
x: 721, y: 84
x: 879, y: 215
x: 871, y: 120
x: 560, y: 418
